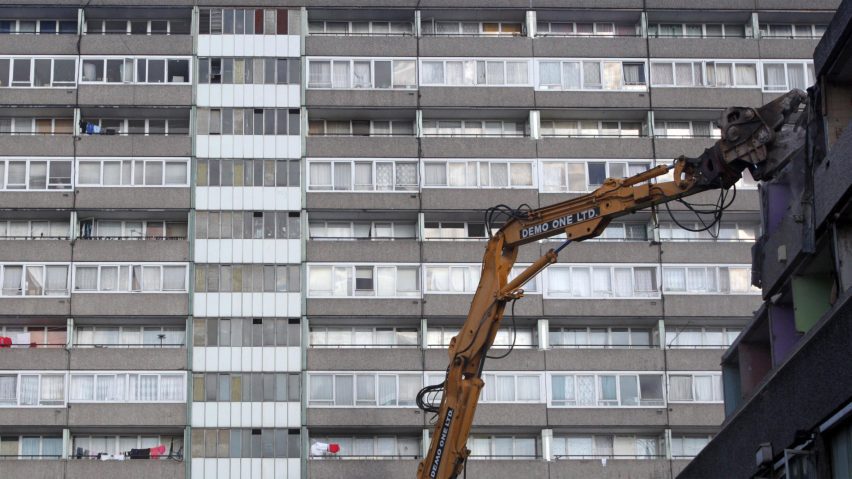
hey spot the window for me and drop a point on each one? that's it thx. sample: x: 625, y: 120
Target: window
x: 246, y: 387
x: 34, y: 336
x: 364, y: 336
x: 692, y: 337
x: 591, y: 75
x: 248, y: 121
x: 502, y: 447
x: 253, y: 21
x: 478, y: 174
x: 600, y: 337
x: 127, y: 387
x: 688, y: 446
x: 689, y: 73
x: 133, y: 172
x: 130, y: 336
x: 725, y: 231
x: 607, y: 446
x: 699, y: 30
x: 474, y: 72
x: 136, y: 126
x: 247, y: 224
x: 34, y: 279
x: 453, y: 230
x: 39, y: 72
x: 34, y: 229
x: 686, y: 129
x: 353, y: 175
x: 375, y: 230
x: 23, y: 174
x: 511, y: 388
x: 246, y: 443
x: 708, y: 280
x: 371, y: 447
x: 137, y: 27
x: 440, y: 337
x: 361, y: 128
x: 135, y: 70
x: 247, y: 172
x: 89, y: 447
x: 697, y: 387
x: 32, y: 389
x: 390, y: 281
x: 246, y: 278
x: 466, y: 28
x: 474, y: 128
x: 787, y: 75
x: 588, y: 29
x: 361, y: 73
x: 36, y: 126
x: 130, y: 278
x: 601, y: 281
x: 585, y: 176
x: 39, y: 27
x: 460, y: 278
x: 363, y: 390
x: 593, y: 128
x: 360, y: 28
x: 132, y: 229
x: 249, y: 70
x: 31, y: 447
x: 606, y: 390
x: 799, y: 30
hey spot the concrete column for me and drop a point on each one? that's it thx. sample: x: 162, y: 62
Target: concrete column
x: 543, y: 334
x: 418, y: 123
x: 535, y: 124
x: 650, y: 120
x: 417, y: 32
x: 755, y: 26
x: 81, y: 20
x: 531, y: 23
x: 424, y: 443
x: 667, y: 443
x: 547, y: 444
x: 66, y: 443
x: 69, y: 333
x: 424, y: 330
x: 643, y: 24
x: 661, y: 325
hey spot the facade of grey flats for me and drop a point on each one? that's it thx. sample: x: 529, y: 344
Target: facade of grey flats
x: 238, y: 229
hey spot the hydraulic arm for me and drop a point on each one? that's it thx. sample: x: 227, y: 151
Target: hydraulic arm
x: 751, y: 139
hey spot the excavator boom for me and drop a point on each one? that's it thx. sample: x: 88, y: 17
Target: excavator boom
x: 752, y: 139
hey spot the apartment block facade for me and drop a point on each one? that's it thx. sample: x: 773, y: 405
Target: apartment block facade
x: 236, y: 229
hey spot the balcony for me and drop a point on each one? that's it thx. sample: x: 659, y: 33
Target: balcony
x: 361, y: 146
x: 128, y: 358
x: 136, y: 44
x: 364, y: 250
x: 130, y: 304
x: 126, y: 415
x: 363, y: 306
x: 131, y: 250
x: 365, y: 358
x: 360, y: 45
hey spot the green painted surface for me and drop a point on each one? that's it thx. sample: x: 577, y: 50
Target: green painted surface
x: 811, y: 296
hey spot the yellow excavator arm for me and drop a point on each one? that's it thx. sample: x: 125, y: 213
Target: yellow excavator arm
x: 751, y: 139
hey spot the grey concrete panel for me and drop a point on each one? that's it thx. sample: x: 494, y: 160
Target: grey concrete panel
x: 797, y: 5
x: 600, y: 417
x: 136, y: 45
x: 832, y: 176
x: 615, y: 359
x: 399, y: 251
x: 35, y: 306
x: 362, y: 98
x: 42, y: 469
x: 603, y: 4
x: 696, y: 414
x: 46, y: 417
x: 478, y: 148
x: 38, y: 96
x: 592, y: 307
x: 459, y: 305
x: 37, y: 145
x: 695, y: 359
x: 129, y: 359
x: 136, y: 95
x: 792, y: 48
x: 678, y: 465
x: 143, y: 250
x: 37, y: 199
x: 459, y: 97
x: 464, y: 198
x: 166, y: 197
x: 363, y: 307
x: 130, y: 304
x: 35, y: 358
x: 319, y: 469
x: 579, y: 47
x: 162, y: 469
x: 134, y: 145
x: 358, y: 417
x: 127, y: 415
x: 43, y: 250
x: 645, y: 468
x: 707, y: 253
x: 494, y: 468
x: 606, y: 252
x: 364, y: 201
x: 705, y: 5
x: 467, y: 252
x: 520, y: 359
x: 39, y: 45
x: 595, y: 148
x: 712, y: 305
x: 358, y: 146
x: 746, y: 200
x: 524, y: 415
x: 706, y: 97
x: 364, y: 359
x: 365, y: 46
x: 447, y: 46
x: 591, y: 99
x: 670, y: 148
x: 704, y: 48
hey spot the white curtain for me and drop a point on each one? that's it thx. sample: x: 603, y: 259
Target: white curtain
x: 107, y: 389
x: 437, y: 278
x: 623, y: 282
x: 321, y: 388
x: 724, y: 75
x: 342, y: 176
x: 363, y: 176
x: 51, y: 446
x: 385, y: 281
x: 8, y: 389
x: 341, y: 74
x: 683, y: 74
x: 174, y: 278
x: 30, y: 446
x: 662, y: 74
x: 528, y: 388
x: 320, y: 175
x: 773, y: 76
x: 12, y: 276
x: 403, y: 73
x: 433, y: 73
x: 52, y: 388
x: 579, y: 446
x: 151, y: 278
x: 629, y: 389
x: 559, y: 279
x: 172, y: 387
x: 680, y: 388
x: 549, y: 74
x: 580, y: 282
x: 361, y: 73
x: 674, y: 279
x: 384, y: 176
x: 406, y: 280
x: 319, y: 74
x: 436, y: 174
x: 35, y: 280
x: 517, y: 73
x: 82, y: 387
x: 406, y: 175
x: 644, y: 281
x: 143, y: 387
x: 634, y: 73
x: 387, y: 390
x: 601, y: 282
x: 646, y: 446
x: 455, y: 73
x: 585, y: 390
x: 703, y: 388
x: 521, y: 174
x: 365, y: 390
x: 409, y: 385
x: 746, y: 74
x: 570, y: 75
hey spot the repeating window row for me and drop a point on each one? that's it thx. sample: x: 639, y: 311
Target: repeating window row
x: 41, y: 27
x: 364, y: 390
x: 699, y: 30
x: 586, y: 29
x: 130, y: 278
x: 458, y: 278
x: 598, y: 446
x: 583, y: 176
x: 471, y: 28
x: 258, y: 71
x: 138, y: 172
x: 365, y: 336
x: 384, y: 230
x: 127, y: 387
x: 567, y: 75
x: 90, y: 446
x: 34, y: 229
x: 374, y: 27
x: 367, y: 280
x: 246, y: 332
x: 136, y: 27
x: 593, y: 128
x: 247, y: 121
x: 246, y: 387
x: 246, y: 278
x: 132, y: 229
x: 474, y: 128
x: 36, y: 126
x: 368, y: 73
x: 38, y: 72
x: 252, y: 21
x: 135, y: 126
x: 136, y: 70
x: 247, y: 172
x: 129, y: 336
x: 361, y: 128
x: 369, y: 447
x: 31, y: 174
x: 369, y: 175
x: 34, y: 280
x: 246, y: 443
x: 247, y: 225
x: 35, y: 336
x: 517, y: 337
x: 475, y: 72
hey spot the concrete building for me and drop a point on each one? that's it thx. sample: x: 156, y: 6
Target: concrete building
x: 239, y: 228
x: 788, y: 396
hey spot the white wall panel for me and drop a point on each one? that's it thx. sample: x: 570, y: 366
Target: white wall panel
x: 197, y: 466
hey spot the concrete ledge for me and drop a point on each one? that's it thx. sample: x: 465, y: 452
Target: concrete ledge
x: 467, y: 252
x: 35, y: 250
x: 796, y: 5
x: 129, y: 359
x: 589, y: 99
x: 725, y: 305
x: 787, y: 48
x: 400, y: 251
x: 362, y: 98
x: 41, y: 417
x: 161, y: 469
x: 459, y: 97
x: 517, y: 415
x: 467, y: 198
x: 606, y: 252
x: 578, y: 359
x: 134, y: 145
x: 614, y: 468
x: 363, y: 306
x: 136, y: 45
x: 690, y: 98
x: 36, y: 469
x: 37, y: 145
x: 704, y: 47
x: 408, y: 200
x: 521, y: 359
x: 127, y: 415
x: 521, y: 147
x: 56, y: 199
x: 136, y: 95
x: 600, y: 417
x: 55, y: 97
x: 492, y: 468
x: 355, y: 146
x: 706, y: 252
x: 331, y: 469
x: 364, y: 359
x: 130, y: 304
x: 635, y: 308
x: 459, y: 305
x: 42, y: 358
x: 696, y: 414
x: 595, y: 148
x: 166, y: 197
x: 44, y: 306
x: 579, y: 47
x: 358, y: 417
x: 449, y: 46
x: 670, y: 148
x: 130, y: 250
x: 390, y: 46
x: 695, y: 359
x: 64, y: 44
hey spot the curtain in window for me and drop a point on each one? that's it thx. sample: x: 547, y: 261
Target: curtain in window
x: 51, y: 446
x: 387, y: 391
x: 361, y: 74
x: 516, y: 73
x: 52, y: 388
x: 433, y: 73
x: 151, y: 278
x: 571, y: 75
x: 340, y: 74
x: 384, y: 176
x: 724, y: 75
x: 342, y: 176
x: 171, y: 387
x: 623, y: 282
x: 608, y: 390
x: 579, y: 446
x: 86, y: 278
x: 409, y: 385
x: 646, y: 446
x: 559, y: 280
x: 601, y: 282
x: 683, y: 74
x: 680, y: 388
x: 746, y: 74
x: 144, y: 388
x: 504, y: 388
x: 612, y: 75
x: 320, y: 174
x: 174, y: 278
x: 585, y: 390
x: 321, y: 388
x: 674, y: 279
x: 701, y: 129
x: 136, y: 278
x: 480, y: 447
x: 435, y: 174
x: 8, y: 389
x: 796, y: 76
x: 365, y: 389
x: 592, y: 75
x: 643, y: 280
x: 12, y: 280
x: 30, y: 447
x: 438, y: 278
x: 528, y: 388
x: 406, y: 175
x: 634, y: 73
x: 581, y: 282
x: 662, y: 74
x: 363, y: 176
x: 521, y: 174
x: 35, y: 280
x: 455, y: 73
x: 629, y: 388
x: 82, y: 387
x: 503, y: 447
x: 548, y: 74
x: 563, y: 389
x: 107, y: 389
x: 703, y: 388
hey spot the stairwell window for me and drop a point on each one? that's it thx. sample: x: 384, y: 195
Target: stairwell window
x: 474, y: 72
